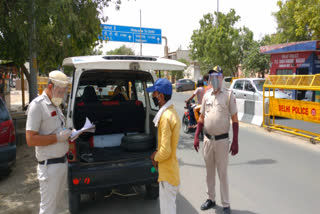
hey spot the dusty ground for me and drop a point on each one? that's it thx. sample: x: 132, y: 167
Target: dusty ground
x: 20, y: 190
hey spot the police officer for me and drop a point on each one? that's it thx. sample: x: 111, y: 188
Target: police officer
x: 217, y: 105
x: 45, y: 129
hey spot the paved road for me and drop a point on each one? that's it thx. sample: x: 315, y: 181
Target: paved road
x: 273, y: 173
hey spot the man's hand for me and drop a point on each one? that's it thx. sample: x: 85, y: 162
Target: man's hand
x: 154, y: 163
x: 196, y: 143
x: 196, y: 137
x: 63, y: 135
x: 234, y: 149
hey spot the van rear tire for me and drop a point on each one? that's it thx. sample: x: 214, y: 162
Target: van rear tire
x: 74, y: 202
x: 152, y: 191
x: 137, y: 142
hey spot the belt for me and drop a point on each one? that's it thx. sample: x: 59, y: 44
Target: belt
x: 217, y: 137
x: 54, y: 160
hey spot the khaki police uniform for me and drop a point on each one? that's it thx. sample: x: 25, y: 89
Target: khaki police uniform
x: 217, y: 110
x: 46, y: 119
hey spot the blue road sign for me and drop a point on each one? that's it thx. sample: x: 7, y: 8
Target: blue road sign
x: 119, y: 33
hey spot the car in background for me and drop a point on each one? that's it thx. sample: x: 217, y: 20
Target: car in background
x: 7, y: 140
x: 185, y: 85
x: 252, y: 89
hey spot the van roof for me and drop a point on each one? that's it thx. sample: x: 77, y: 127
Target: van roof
x: 122, y: 62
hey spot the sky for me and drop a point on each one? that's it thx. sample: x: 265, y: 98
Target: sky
x: 178, y: 18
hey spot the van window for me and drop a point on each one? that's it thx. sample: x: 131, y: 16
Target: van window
x: 140, y: 92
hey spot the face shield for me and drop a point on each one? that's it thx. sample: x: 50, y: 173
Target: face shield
x: 58, y: 94
x: 216, y: 80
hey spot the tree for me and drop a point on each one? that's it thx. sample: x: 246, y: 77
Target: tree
x: 179, y: 74
x: 254, y: 61
x: 298, y: 20
x: 223, y: 45
x: 63, y: 28
x: 123, y: 50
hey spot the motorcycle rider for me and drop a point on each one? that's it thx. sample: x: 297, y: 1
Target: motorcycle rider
x: 199, y: 92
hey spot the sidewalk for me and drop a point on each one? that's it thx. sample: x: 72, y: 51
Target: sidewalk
x: 16, y: 100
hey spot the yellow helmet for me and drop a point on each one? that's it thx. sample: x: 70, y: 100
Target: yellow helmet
x: 218, y: 69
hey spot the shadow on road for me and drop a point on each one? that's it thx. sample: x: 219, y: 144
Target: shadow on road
x: 186, y: 141
x: 234, y: 211
x: 182, y: 163
x: 256, y: 162
x: 135, y: 204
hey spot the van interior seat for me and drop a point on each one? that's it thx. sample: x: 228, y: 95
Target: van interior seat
x: 111, y: 116
x: 89, y: 95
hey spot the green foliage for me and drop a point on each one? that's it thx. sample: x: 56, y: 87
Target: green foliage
x: 63, y: 28
x: 223, y: 45
x: 254, y: 61
x: 179, y: 74
x: 298, y: 20
x: 123, y: 50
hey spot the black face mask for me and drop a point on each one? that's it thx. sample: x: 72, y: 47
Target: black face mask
x: 156, y: 102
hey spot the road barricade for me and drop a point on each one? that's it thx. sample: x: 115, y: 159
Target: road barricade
x: 42, y: 83
x: 293, y: 109
x: 250, y: 111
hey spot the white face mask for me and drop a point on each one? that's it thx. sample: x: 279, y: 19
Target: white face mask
x: 56, y: 101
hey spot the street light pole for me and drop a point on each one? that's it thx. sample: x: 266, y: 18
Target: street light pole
x: 217, y: 13
x: 33, y: 55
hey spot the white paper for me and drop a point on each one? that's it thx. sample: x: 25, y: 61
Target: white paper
x: 88, y: 127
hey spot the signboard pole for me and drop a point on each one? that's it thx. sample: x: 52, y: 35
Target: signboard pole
x: 140, y: 36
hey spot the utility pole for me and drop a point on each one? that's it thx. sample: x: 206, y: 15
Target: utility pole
x: 166, y: 49
x: 217, y: 13
x: 140, y: 36
x: 33, y: 92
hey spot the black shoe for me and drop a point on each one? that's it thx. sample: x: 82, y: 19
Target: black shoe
x: 208, y: 204
x: 226, y: 210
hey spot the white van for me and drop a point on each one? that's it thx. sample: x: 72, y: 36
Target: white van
x: 111, y: 92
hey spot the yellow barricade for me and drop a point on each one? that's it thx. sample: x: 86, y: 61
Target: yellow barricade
x: 42, y: 83
x: 293, y: 109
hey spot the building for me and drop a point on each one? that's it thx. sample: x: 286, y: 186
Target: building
x: 193, y: 70
x: 180, y: 54
x: 296, y: 58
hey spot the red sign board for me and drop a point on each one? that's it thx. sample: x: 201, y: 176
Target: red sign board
x: 289, y: 61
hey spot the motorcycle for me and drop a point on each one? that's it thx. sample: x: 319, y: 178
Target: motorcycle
x: 186, y: 118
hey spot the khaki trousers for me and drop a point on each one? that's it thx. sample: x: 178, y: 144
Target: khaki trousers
x: 216, y: 156
x: 168, y: 195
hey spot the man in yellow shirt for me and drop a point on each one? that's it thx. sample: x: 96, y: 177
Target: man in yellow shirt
x: 165, y: 158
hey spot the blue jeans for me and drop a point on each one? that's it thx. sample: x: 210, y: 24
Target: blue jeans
x: 192, y: 120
